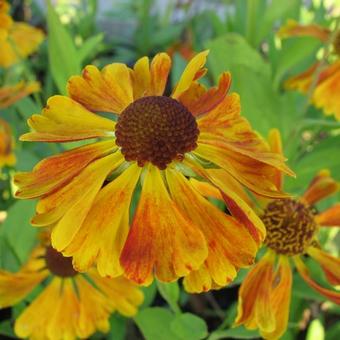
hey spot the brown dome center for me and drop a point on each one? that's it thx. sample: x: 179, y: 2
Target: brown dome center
x: 58, y: 264
x: 156, y: 129
x: 290, y: 226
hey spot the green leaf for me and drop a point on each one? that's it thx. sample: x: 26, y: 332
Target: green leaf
x: 20, y: 235
x: 89, y: 46
x: 6, y: 329
x: 170, y: 292
x: 149, y: 294
x: 315, y: 330
x: 118, y: 328
x: 155, y: 324
x: 234, y: 333
x: 333, y: 332
x: 189, y: 327
x: 63, y: 59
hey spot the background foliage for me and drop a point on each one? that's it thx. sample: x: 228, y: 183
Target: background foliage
x: 241, y: 36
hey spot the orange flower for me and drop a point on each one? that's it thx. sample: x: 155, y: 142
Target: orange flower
x: 70, y: 305
x: 292, y: 226
x: 7, y: 156
x: 328, y: 82
x: 150, y: 149
x: 12, y: 93
x: 17, y: 39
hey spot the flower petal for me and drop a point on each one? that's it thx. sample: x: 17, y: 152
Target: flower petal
x: 235, y: 204
x: 69, y: 206
x: 275, y: 144
x: 321, y: 186
x: 191, y: 73
x: 161, y: 239
x: 222, y: 232
x: 280, y: 299
x: 329, y: 217
x: 209, y: 99
x: 104, y: 231
x: 141, y: 78
x: 293, y: 29
x: 64, y: 120
x: 121, y: 294
x: 329, y: 264
x: 255, y: 308
x: 160, y: 68
x: 304, y: 272
x: 109, y: 90
x: 54, y: 172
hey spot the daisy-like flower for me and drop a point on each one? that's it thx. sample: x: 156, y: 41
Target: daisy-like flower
x: 17, y: 39
x: 70, y: 305
x: 7, y: 156
x: 148, y: 151
x: 327, y: 84
x: 292, y: 226
x: 10, y: 94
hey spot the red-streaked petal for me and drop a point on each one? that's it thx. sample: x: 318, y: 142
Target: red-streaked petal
x: 159, y: 70
x: 238, y: 208
x: 329, y: 217
x: 304, y: 272
x: 102, y: 236
x: 54, y: 172
x: 230, y: 244
x: 193, y: 71
x: 161, y: 239
x: 109, y: 90
x: 65, y: 120
x: 275, y: 144
x: 329, y: 264
x: 254, y: 307
x: 321, y: 186
x: 293, y: 29
x: 209, y: 99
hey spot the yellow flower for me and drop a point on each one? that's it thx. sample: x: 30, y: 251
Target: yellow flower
x: 70, y: 305
x: 7, y: 156
x: 12, y: 93
x: 17, y: 39
x: 151, y: 151
x: 292, y: 226
x: 327, y: 84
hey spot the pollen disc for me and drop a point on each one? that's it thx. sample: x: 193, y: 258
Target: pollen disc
x: 290, y: 226
x: 156, y: 129
x: 58, y: 264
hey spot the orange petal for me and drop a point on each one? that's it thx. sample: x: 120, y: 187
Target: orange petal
x: 293, y: 29
x: 65, y: 120
x: 222, y: 232
x: 141, y: 78
x: 275, y: 144
x: 323, y: 96
x: 304, y: 272
x: 191, y: 73
x: 321, y: 186
x: 109, y: 90
x: 330, y: 217
x: 280, y: 299
x: 255, y: 308
x: 329, y: 264
x: 69, y: 206
x: 7, y: 156
x: 54, y: 172
x: 11, y: 94
x: 209, y: 99
x: 206, y: 189
x: 102, y: 236
x: 161, y: 239
x: 237, y: 207
x: 160, y: 68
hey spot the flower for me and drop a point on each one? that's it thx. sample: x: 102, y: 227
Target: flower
x: 17, y: 39
x: 7, y: 156
x: 148, y: 155
x: 328, y: 76
x: 10, y: 94
x: 70, y: 305
x: 292, y: 226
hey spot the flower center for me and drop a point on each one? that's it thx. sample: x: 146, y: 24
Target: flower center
x: 58, y: 264
x: 156, y: 129
x: 290, y: 226
x: 336, y: 43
